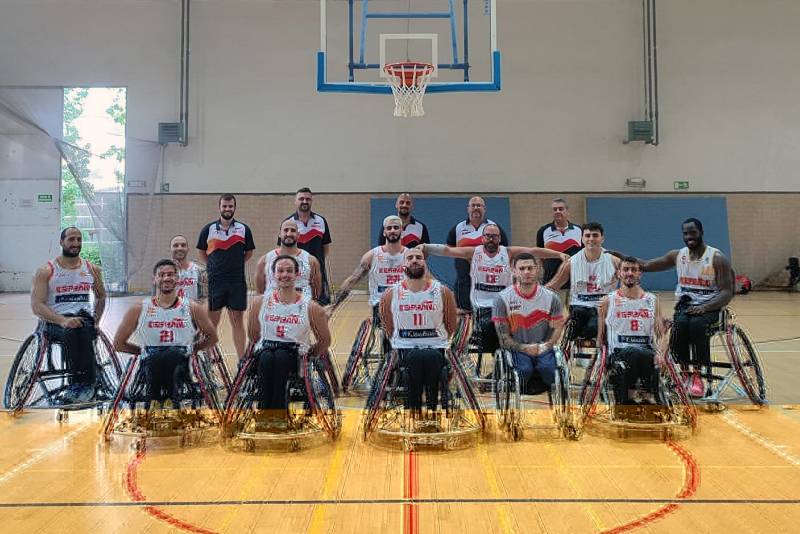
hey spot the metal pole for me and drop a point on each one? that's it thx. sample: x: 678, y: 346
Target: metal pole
x: 466, y: 42
x: 649, y: 62
x: 655, y: 75
x: 186, y: 100
x: 183, y: 59
x: 644, y: 59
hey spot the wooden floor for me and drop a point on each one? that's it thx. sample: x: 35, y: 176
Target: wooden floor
x: 739, y: 473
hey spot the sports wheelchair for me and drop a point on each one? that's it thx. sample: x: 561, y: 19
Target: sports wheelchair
x: 366, y: 356
x: 386, y: 415
x: 141, y: 412
x: 672, y: 412
x: 311, y: 406
x: 516, y: 406
x: 736, y: 372
x: 40, y: 376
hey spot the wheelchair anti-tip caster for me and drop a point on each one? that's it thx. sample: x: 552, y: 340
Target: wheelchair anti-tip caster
x: 140, y: 445
x: 62, y: 416
x: 517, y: 432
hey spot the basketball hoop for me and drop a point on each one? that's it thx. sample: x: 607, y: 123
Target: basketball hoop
x: 409, y: 81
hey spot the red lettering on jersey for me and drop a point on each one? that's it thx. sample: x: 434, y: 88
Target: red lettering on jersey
x: 172, y: 323
x: 283, y: 319
x: 83, y: 287
x: 422, y: 306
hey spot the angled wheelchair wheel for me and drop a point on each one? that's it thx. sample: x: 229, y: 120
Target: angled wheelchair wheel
x: 589, y: 394
x: 220, y: 368
x: 239, y: 406
x: 357, y: 352
x: 22, y: 378
x: 330, y: 369
x: 119, y: 397
x: 377, y: 394
x: 472, y: 400
x: 321, y: 396
x: 461, y: 338
x: 210, y: 391
x: 748, y: 365
x: 109, y: 368
x: 501, y: 392
x: 677, y: 397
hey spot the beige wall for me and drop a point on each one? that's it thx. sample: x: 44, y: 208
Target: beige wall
x: 761, y: 241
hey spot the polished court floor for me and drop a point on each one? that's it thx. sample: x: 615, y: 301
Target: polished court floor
x: 739, y: 473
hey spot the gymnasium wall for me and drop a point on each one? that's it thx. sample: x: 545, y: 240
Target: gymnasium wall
x: 572, y: 79
x: 762, y: 227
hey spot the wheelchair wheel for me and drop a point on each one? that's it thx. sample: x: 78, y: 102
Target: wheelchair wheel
x: 589, y: 393
x: 360, y: 348
x: 108, y: 366
x: 461, y: 376
x: 748, y: 365
x: 239, y: 406
x: 22, y: 379
x: 677, y: 396
x: 501, y: 392
x: 330, y: 369
x: 116, y: 406
x: 321, y: 396
x: 461, y: 337
x: 219, y: 370
x: 202, y: 373
x: 377, y: 395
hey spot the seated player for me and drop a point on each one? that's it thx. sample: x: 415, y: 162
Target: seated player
x: 280, y: 327
x: 529, y: 321
x: 593, y: 275
x: 61, y: 296
x: 193, y: 281
x: 309, y: 275
x: 419, y: 314
x: 630, y: 324
x: 490, y: 274
x: 167, y: 326
x: 704, y: 288
x: 383, y: 264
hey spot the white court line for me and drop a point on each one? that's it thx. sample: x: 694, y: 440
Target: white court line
x: 761, y: 440
x: 41, y: 454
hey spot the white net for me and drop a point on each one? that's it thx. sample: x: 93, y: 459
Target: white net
x: 409, y: 81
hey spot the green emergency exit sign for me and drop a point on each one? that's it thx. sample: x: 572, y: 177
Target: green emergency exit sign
x: 45, y: 198
x: 681, y: 185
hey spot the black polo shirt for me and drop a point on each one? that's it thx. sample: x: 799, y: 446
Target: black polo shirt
x: 225, y: 250
x: 568, y: 241
x: 413, y: 234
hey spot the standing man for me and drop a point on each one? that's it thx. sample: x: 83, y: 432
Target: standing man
x: 414, y: 232
x: 193, y: 282
x: 419, y: 315
x: 226, y: 245
x: 560, y: 235
x: 308, y: 280
x: 469, y: 233
x: 704, y: 288
x: 313, y: 236
x: 61, y: 297
x: 529, y: 321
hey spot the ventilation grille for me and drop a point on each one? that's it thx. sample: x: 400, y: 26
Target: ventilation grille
x: 170, y: 132
x: 640, y: 131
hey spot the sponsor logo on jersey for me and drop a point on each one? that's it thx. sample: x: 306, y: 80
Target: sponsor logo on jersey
x: 496, y: 269
x: 392, y: 270
x: 687, y: 281
x: 644, y: 313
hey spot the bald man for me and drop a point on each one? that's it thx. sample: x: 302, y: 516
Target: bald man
x: 414, y: 232
x: 309, y: 274
x: 469, y: 233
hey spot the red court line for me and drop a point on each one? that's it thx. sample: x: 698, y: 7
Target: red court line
x: 691, y: 482
x: 131, y: 483
x: 411, y: 492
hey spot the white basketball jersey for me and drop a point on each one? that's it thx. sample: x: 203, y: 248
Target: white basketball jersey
x: 696, y: 278
x: 69, y: 291
x: 166, y: 327
x: 490, y: 276
x: 303, y: 281
x: 630, y: 322
x: 287, y: 323
x: 189, y: 282
x: 386, y: 271
x: 590, y: 281
x: 418, y: 317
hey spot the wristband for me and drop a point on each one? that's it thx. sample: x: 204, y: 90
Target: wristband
x: 542, y: 348
x: 436, y: 250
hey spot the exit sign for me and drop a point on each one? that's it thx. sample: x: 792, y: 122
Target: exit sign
x: 45, y: 198
x: 681, y: 185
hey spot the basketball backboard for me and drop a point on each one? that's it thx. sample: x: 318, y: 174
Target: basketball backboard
x: 359, y: 37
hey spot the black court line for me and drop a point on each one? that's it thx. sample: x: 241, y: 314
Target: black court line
x: 394, y: 501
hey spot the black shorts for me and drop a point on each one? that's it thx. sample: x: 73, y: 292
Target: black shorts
x: 231, y: 295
